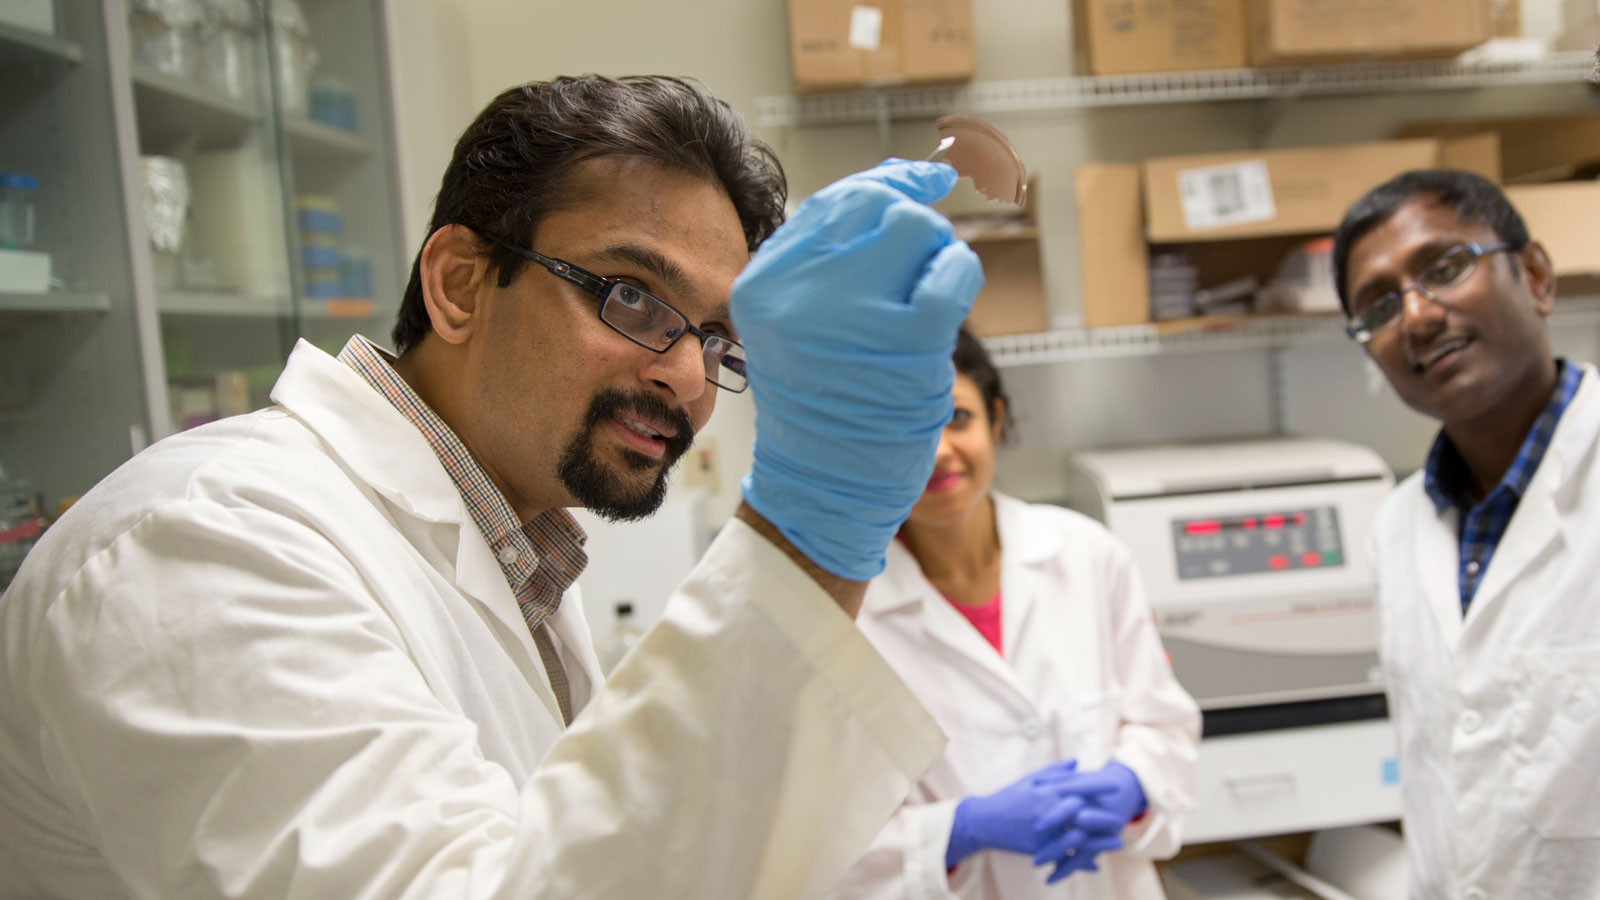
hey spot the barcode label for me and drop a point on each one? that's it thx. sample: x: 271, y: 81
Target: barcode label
x: 866, y: 27
x: 1230, y: 194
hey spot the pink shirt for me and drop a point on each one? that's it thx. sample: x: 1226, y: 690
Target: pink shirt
x: 985, y: 618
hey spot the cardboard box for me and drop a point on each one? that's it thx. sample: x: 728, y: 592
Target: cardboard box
x: 1303, y: 190
x: 841, y: 44
x: 1505, y: 18
x: 1562, y: 218
x: 1532, y: 148
x: 1124, y: 208
x: 1116, y: 37
x: 1007, y: 243
x: 1324, y: 31
x: 1113, y: 258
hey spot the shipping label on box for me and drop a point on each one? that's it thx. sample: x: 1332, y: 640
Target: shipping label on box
x: 1229, y: 194
x: 1309, y: 188
x: 866, y: 27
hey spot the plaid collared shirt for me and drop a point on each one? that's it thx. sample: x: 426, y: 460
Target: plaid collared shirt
x: 1483, y: 524
x: 540, y: 560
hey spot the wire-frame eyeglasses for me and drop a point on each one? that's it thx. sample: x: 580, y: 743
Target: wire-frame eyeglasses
x: 1444, y: 272
x: 647, y: 320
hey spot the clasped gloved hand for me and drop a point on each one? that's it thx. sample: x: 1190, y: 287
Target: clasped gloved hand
x: 848, y: 315
x: 1009, y: 818
x: 1093, y: 809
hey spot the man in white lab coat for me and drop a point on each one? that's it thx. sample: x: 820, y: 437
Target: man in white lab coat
x: 1489, y: 599
x: 329, y: 649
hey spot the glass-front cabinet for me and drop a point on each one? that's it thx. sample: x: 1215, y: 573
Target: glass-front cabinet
x: 187, y: 187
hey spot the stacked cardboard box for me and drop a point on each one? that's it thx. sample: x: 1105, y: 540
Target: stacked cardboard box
x: 1115, y: 37
x: 1321, y: 31
x: 1236, y: 215
x: 1550, y: 163
x: 842, y: 44
x: 1006, y: 239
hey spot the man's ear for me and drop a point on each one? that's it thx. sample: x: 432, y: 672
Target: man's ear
x: 1541, y: 276
x: 454, y: 273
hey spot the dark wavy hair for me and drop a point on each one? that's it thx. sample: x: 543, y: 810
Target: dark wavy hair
x: 973, y: 361
x: 513, y: 164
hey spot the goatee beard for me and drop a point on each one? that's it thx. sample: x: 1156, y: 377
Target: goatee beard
x: 600, y: 489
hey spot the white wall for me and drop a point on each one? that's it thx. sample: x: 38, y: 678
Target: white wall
x: 739, y: 49
x: 433, y: 100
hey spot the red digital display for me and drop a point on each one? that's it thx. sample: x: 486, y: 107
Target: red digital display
x: 1240, y: 544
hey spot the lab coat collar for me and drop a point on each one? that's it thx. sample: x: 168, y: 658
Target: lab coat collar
x: 1539, y: 520
x: 1438, y: 554
x: 368, y: 434
x: 383, y: 449
x: 903, y: 590
x: 902, y: 583
x: 1025, y: 549
x: 1029, y: 546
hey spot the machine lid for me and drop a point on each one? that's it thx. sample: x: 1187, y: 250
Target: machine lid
x: 1203, y: 467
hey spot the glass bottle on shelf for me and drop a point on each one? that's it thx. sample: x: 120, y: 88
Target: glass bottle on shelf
x: 626, y: 633
x: 16, y: 210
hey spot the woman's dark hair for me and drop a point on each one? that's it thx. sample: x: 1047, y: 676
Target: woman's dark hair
x: 973, y: 361
x: 514, y: 163
x: 1475, y: 199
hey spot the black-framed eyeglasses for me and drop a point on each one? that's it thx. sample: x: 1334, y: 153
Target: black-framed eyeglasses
x: 1447, y: 270
x: 648, y: 320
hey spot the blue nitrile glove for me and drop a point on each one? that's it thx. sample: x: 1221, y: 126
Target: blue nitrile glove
x: 1075, y: 852
x: 848, y: 315
x: 1007, y: 818
x: 1094, y: 808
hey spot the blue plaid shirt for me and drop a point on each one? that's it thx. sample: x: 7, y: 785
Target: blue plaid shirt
x: 1448, y: 485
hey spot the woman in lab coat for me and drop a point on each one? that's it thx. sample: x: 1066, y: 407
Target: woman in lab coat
x: 1024, y: 629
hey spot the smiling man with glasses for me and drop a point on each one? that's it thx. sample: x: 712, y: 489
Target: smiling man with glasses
x: 332, y: 649
x: 1488, y: 584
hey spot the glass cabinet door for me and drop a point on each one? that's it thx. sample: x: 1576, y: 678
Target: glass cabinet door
x: 332, y: 84
x: 75, y: 397
x: 187, y: 187
x: 213, y: 189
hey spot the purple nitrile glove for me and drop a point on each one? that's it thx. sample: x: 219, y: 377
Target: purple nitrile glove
x: 1094, y: 808
x: 1007, y: 818
x: 1113, y: 788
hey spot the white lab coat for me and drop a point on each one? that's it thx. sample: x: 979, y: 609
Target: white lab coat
x: 274, y: 658
x: 1084, y: 676
x: 1499, y: 715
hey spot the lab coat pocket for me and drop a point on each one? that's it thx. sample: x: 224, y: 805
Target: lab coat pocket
x: 1086, y: 728
x: 1555, y: 724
